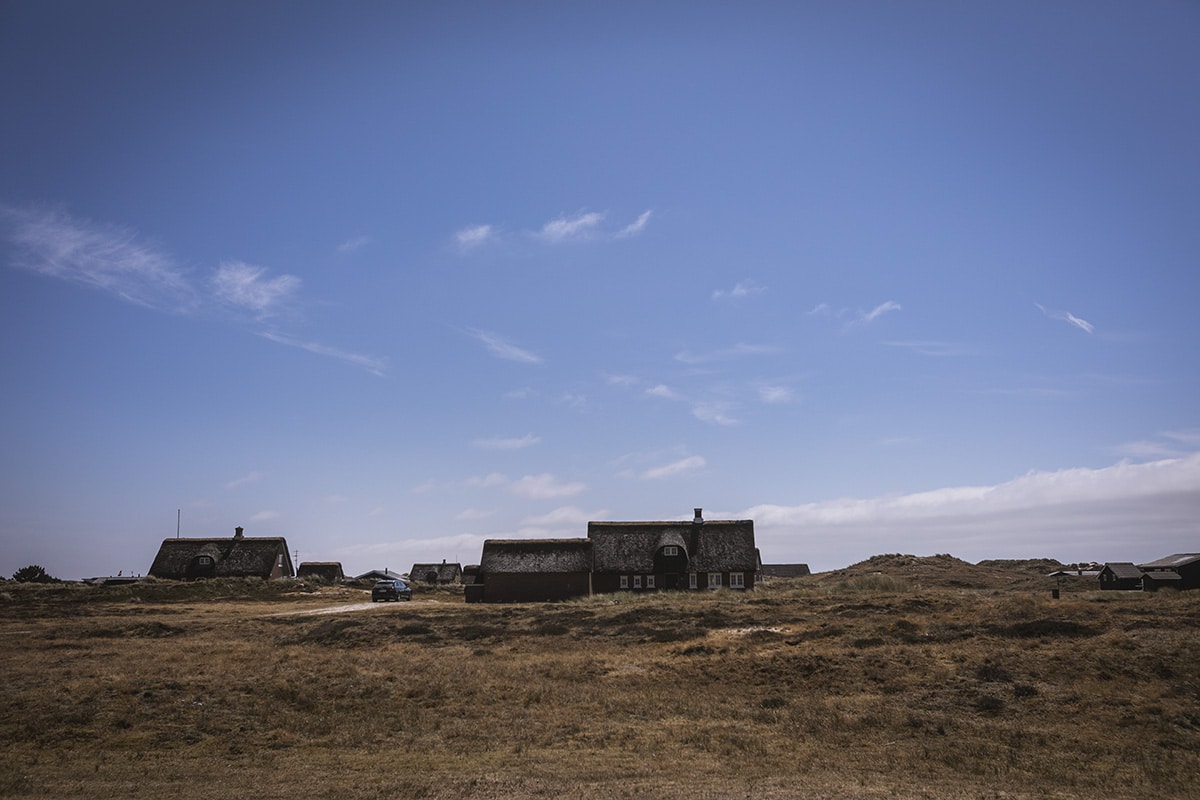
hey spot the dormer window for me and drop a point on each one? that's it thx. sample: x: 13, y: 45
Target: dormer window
x: 204, y: 561
x: 670, y: 550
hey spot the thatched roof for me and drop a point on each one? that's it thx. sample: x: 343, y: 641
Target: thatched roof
x: 535, y: 555
x: 442, y: 573
x: 710, y: 545
x: 234, y: 557
x: 325, y: 570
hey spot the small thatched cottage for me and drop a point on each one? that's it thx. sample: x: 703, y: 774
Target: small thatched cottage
x: 237, y: 557
x: 330, y: 571
x: 442, y: 573
x: 532, y: 570
x: 785, y: 570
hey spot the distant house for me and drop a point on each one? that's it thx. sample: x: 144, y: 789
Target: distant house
x: 1180, y: 571
x: 1120, y: 575
x: 785, y: 570
x: 700, y: 554
x: 532, y: 570
x: 469, y: 574
x: 619, y: 556
x: 442, y: 573
x: 237, y: 557
x: 330, y: 571
x: 380, y: 575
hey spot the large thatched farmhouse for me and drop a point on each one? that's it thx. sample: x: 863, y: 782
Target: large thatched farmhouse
x: 619, y: 556
x: 237, y: 557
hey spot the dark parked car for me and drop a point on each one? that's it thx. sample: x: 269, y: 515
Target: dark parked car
x: 391, y: 590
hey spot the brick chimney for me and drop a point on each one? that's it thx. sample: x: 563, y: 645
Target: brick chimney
x: 699, y: 517
x: 237, y: 532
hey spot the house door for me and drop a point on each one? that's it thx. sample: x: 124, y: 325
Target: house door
x: 671, y: 580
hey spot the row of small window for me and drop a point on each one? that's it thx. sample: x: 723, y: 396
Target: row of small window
x: 737, y: 580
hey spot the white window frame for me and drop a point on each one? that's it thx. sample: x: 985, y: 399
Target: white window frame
x: 624, y: 581
x: 637, y: 581
x: 649, y: 581
x: 714, y: 580
x: 692, y: 581
x: 737, y: 580
x: 670, y: 550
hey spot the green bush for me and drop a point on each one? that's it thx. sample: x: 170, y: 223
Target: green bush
x: 33, y: 574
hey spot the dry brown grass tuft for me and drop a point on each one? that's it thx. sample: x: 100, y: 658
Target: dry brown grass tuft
x: 847, y: 686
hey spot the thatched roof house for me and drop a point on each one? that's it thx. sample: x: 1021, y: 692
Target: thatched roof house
x: 237, y: 557
x: 533, y: 570
x: 700, y: 554
x: 620, y: 556
x: 330, y: 571
x: 442, y: 573
x: 785, y: 570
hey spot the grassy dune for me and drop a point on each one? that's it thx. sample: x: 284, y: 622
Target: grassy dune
x: 886, y: 680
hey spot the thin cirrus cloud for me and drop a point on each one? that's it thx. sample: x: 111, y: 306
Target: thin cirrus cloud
x: 474, y: 236
x: 739, y: 290
x: 563, y: 229
x: 246, y: 286
x: 727, y: 353
x: 508, y: 443
x: 635, y: 227
x: 675, y: 468
x: 545, y: 487
x: 859, y: 318
x: 353, y: 245
x: 1068, y: 317
x: 505, y: 350
x: 372, y: 364
x: 248, y: 478
x: 112, y: 259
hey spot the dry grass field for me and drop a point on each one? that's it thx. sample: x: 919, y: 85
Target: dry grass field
x: 899, y: 677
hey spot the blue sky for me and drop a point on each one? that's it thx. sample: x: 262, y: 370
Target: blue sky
x: 389, y: 279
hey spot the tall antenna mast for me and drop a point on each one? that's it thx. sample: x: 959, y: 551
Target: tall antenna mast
x: 178, y: 512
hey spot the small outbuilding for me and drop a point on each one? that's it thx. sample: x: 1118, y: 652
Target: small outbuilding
x: 238, y: 557
x: 533, y: 570
x: 442, y: 574
x: 381, y: 575
x: 785, y: 571
x: 328, y: 571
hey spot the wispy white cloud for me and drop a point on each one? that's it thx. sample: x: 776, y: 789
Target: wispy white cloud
x: 372, y: 364
x: 487, y: 481
x: 251, y: 477
x: 353, y: 245
x: 243, y: 285
x: 727, y: 353
x: 1068, y: 317
x: 932, y: 348
x: 675, y: 468
x: 263, y: 516
x: 508, y: 443
x: 1169, y: 444
x: 571, y: 517
x: 739, y: 290
x: 774, y: 395
x: 635, y: 227
x: 1128, y: 511
x: 474, y: 514
x: 664, y: 391
x: 545, y: 486
x: 878, y: 311
x: 717, y: 412
x: 505, y: 350
x: 116, y: 260
x: 474, y: 236
x: 580, y: 226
